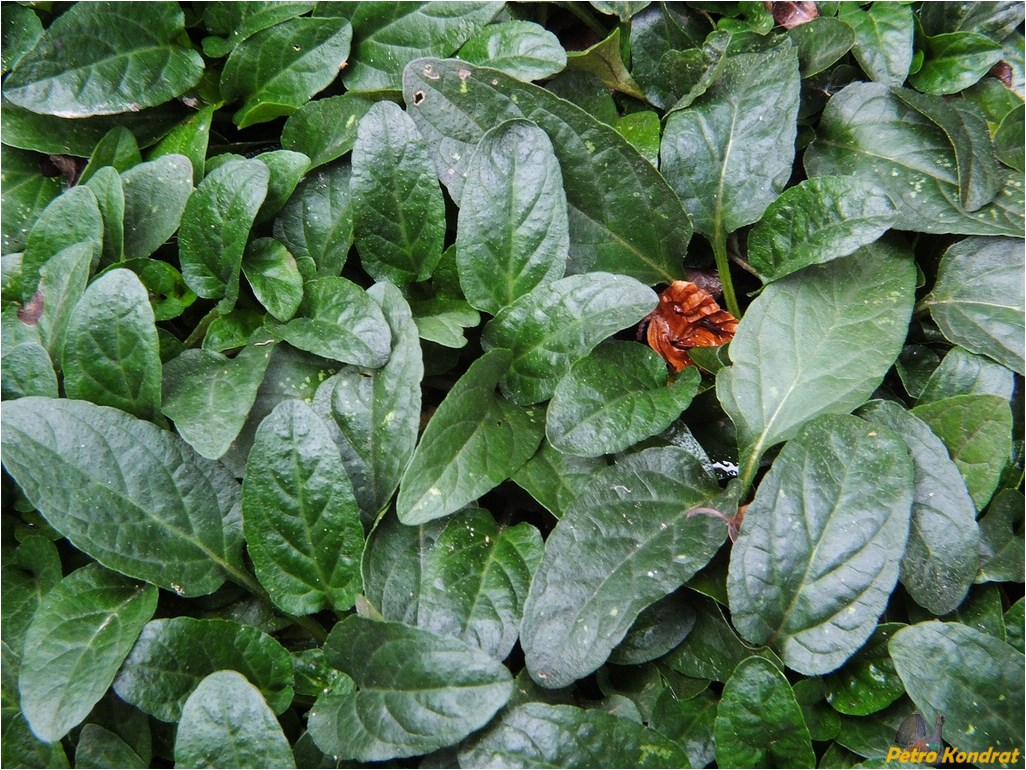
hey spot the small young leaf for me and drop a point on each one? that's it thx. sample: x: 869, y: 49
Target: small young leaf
x: 883, y: 40
x: 274, y: 277
x: 286, y: 168
x: 325, y: 130
x: 443, y: 320
x: 604, y: 61
x: 110, y: 200
x: 712, y: 649
x: 316, y: 225
x: 688, y: 722
x: 156, y: 195
x: 118, y: 148
x: 190, y: 138
x: 820, y: 43
x: 523, y: 49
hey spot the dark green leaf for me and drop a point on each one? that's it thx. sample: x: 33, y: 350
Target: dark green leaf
x: 29, y: 571
x: 27, y: 371
x: 658, y: 629
x: 226, y: 723
x: 821, y: 42
x: 338, y: 320
x: 416, y: 691
x: 135, y: 498
x: 62, y: 281
x: 512, y: 233
x: 286, y: 168
x: 816, y: 221
x: 642, y: 130
x: 962, y: 373
x: 622, y: 9
x: 26, y: 193
x: 387, y: 37
x: 523, y: 49
x: 543, y: 735
x: 1014, y: 624
x: 693, y: 71
x: 443, y: 320
x: 614, y: 398
x: 102, y: 59
x: 274, y: 276
x: 209, y: 396
x: 21, y: 30
x: 730, y: 153
x: 98, y: 747
x: 625, y: 542
x: 23, y: 749
x: 173, y: 655
x: 473, y: 442
x: 883, y: 40
x: 277, y: 70
x: 822, y: 541
x: 325, y: 129
x: 557, y: 324
x: 758, y: 721
x: 954, y: 61
x: 316, y: 225
x: 302, y: 523
x: 868, y: 682
x: 215, y: 227
x: 603, y: 60
x: 110, y: 199
x: 977, y: 431
x: 156, y: 195
x: 689, y: 723
x: 111, y: 355
x: 623, y: 216
x: 867, y: 131
x: 238, y: 21
x: 1001, y: 536
x: 854, y: 315
x: 979, y: 298
x: 978, y: 694
x: 189, y: 138
x: 78, y: 638
x: 996, y: 19
x: 228, y: 333
x: 655, y: 32
x: 555, y: 479
x: 1008, y: 140
x: 117, y: 148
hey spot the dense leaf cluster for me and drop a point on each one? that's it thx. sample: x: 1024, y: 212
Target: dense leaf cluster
x: 328, y: 438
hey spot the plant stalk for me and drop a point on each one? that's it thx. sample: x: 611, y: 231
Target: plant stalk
x: 719, y: 244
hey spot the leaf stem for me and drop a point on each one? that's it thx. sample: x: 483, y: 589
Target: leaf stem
x: 247, y: 581
x: 201, y: 328
x: 719, y: 244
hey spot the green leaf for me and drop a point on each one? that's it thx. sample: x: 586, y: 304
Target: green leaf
x: 622, y: 9
x: 338, y: 320
x: 942, y: 557
x: 238, y: 21
x: 27, y: 371
x: 215, y: 227
x: 522, y: 49
x: 1001, y: 539
x: 869, y: 132
x: 29, y: 572
x: 398, y: 214
x: 62, y: 281
x: 277, y: 70
x: 81, y: 633
x: 209, y: 396
x: 730, y: 153
x: 417, y: 691
x: 442, y: 320
x: 302, y: 523
x: 325, y: 129
x: 156, y: 195
x: 868, y: 682
x: 555, y: 479
x: 1008, y: 139
x: 102, y: 59
x: 624, y: 218
x: 274, y: 276
x: 226, y: 723
x: 559, y: 323
x: 316, y: 225
x: 190, y: 138
x: 816, y: 221
x: 461, y: 577
x: 854, y: 315
x: 614, y: 398
x: 21, y: 30
x: 98, y: 747
x: 689, y: 723
x: 655, y: 33
x: 110, y: 200
x: 134, y: 497
x: 954, y: 61
x: 117, y: 148
x: 977, y: 431
x: 111, y: 355
x: 659, y: 628
x: 173, y: 655
x: 543, y: 735
x: 286, y: 168
x: 473, y: 442
x: 1014, y: 624
x: 512, y: 233
x: 624, y: 543
x: 883, y: 40
x: 387, y: 37
x: 815, y: 590
x: 759, y: 722
x: 21, y: 748
x: 603, y: 60
x: 377, y: 411
x: 821, y: 42
x: 26, y: 193
x: 989, y: 18
x: 978, y: 696
x: 962, y: 373
x: 228, y: 333
x: 978, y: 300
x: 642, y: 130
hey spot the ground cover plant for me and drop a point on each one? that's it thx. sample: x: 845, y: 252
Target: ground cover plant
x: 330, y: 431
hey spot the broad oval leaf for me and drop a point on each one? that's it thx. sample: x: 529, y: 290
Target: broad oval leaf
x: 173, y: 655
x: 277, y: 70
x: 832, y: 331
x: 27, y: 370
x: 730, y: 153
x: 774, y: 734
x: 190, y: 138
x: 215, y: 227
x: 883, y: 40
x: 512, y: 233
x: 240, y: 21
x: 398, y: 210
x: 816, y: 221
x: 416, y: 691
x: 555, y: 479
x: 316, y: 225
x: 868, y: 682
x: 1002, y: 552
x: 624, y: 543
x: 301, y: 521
x: 623, y: 215
x: 78, y: 638
x: 111, y: 354
x: 287, y: 168
x: 102, y: 59
x: 136, y: 498
x: 226, y: 723
x: 473, y: 442
x: 979, y: 298
x: 325, y: 130
x: 955, y: 60
x: 274, y: 277
x: 337, y: 320
x: 979, y: 694
x: 62, y: 282
x: 557, y: 324
x: 962, y: 373
x: 822, y: 542
x: 156, y: 194
x: 25, y: 194
x: 614, y: 398
x: 544, y: 735
x: 522, y: 49
x: 100, y: 748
